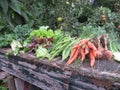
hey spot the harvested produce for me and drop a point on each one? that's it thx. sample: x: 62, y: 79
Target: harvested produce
x: 42, y: 52
x: 42, y: 36
x: 58, y: 47
x: 36, y: 41
x: 116, y: 56
x: 81, y: 49
x: 96, y: 48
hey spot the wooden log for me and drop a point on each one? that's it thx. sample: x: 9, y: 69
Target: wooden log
x: 11, y: 83
x: 3, y: 75
x: 19, y: 84
x: 27, y: 74
x: 57, y: 76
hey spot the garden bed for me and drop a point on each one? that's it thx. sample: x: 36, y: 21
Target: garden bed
x: 56, y: 75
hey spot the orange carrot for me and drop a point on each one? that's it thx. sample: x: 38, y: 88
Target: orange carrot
x: 91, y: 46
x: 86, y: 50
x: 82, y: 54
x: 82, y: 42
x: 94, y: 52
x: 74, y: 55
x: 92, y: 59
x: 73, y: 52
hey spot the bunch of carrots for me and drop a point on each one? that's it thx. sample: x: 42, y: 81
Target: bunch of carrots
x: 87, y: 48
x: 81, y: 49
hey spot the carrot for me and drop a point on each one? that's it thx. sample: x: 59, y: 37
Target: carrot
x: 91, y: 46
x: 86, y: 50
x: 73, y: 56
x: 92, y: 58
x: 82, y: 42
x: 82, y: 54
x: 94, y: 52
x: 73, y: 52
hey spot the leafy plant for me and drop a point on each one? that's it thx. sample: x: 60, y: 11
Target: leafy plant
x: 42, y: 52
x: 3, y: 85
x: 59, y: 47
x: 90, y: 31
x: 13, y: 13
x: 42, y: 32
x: 43, y: 37
x: 21, y: 32
x: 6, y: 39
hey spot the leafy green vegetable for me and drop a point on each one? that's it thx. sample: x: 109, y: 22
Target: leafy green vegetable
x: 15, y: 44
x: 116, y: 56
x: 67, y: 49
x: 42, y: 52
x: 114, y: 44
x: 59, y: 46
x: 90, y: 31
x: 42, y: 32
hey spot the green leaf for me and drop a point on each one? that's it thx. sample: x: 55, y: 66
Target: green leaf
x: 4, y: 6
x: 15, y: 44
x: 23, y: 13
x: 1, y: 27
x: 3, y: 88
x: 42, y: 52
x: 50, y: 33
x: 116, y: 56
x: 15, y: 6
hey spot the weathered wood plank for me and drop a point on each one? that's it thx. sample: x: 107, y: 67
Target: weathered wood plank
x: 27, y: 74
x: 3, y: 75
x: 11, y: 84
x: 19, y: 84
x: 57, y: 76
x: 45, y: 77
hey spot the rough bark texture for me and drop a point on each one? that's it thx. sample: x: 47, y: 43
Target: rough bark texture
x: 3, y: 75
x: 19, y: 84
x: 56, y: 75
x: 11, y: 84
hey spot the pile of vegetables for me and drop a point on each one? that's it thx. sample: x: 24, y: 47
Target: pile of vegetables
x: 92, y: 49
x: 41, y: 41
x: 92, y: 43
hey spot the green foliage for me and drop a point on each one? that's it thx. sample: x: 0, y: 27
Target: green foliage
x: 6, y: 39
x: 47, y: 12
x: 112, y: 19
x: 76, y: 17
x: 3, y: 88
x: 114, y: 5
x: 90, y: 31
x: 12, y: 13
x: 59, y: 47
x: 21, y: 32
x: 2, y: 85
x: 42, y: 32
x: 42, y: 52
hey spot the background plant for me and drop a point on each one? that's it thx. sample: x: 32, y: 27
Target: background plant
x: 67, y: 15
